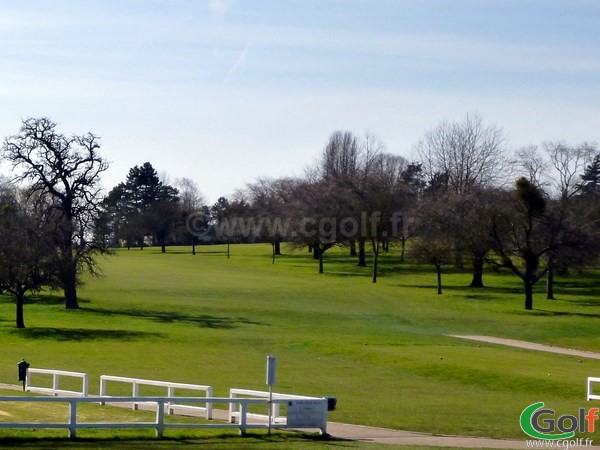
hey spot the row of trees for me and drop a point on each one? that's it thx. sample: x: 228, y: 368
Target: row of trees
x: 463, y: 196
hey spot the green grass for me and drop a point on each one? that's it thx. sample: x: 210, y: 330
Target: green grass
x: 381, y: 349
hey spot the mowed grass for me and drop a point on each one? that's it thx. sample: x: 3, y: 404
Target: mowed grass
x: 381, y: 349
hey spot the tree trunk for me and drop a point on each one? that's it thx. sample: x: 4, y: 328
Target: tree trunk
x: 316, y: 251
x: 528, y: 294
x: 321, y: 261
x: 273, y: 252
x: 228, y: 253
x: 70, y: 289
x: 353, y: 248
x: 193, y: 246
x: 477, y: 281
x: 550, y: 280
x: 438, y: 268
x: 278, y: 247
x: 362, y: 258
x: 402, y: 248
x: 163, y: 246
x: 20, y: 318
x: 375, y: 243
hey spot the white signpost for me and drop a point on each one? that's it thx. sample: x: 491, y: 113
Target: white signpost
x: 271, y: 371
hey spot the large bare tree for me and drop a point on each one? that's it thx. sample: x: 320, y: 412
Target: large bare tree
x: 462, y: 159
x: 469, y: 153
x: 64, y: 171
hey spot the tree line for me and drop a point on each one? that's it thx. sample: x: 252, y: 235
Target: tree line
x: 464, y: 196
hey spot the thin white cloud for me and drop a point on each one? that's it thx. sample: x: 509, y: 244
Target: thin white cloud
x: 239, y: 63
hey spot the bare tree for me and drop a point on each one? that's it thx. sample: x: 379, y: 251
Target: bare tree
x: 26, y: 249
x: 569, y: 163
x: 463, y: 158
x: 65, y: 171
x: 191, y: 202
x: 470, y: 154
x: 532, y: 164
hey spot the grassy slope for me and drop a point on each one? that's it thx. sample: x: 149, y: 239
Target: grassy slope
x: 380, y: 349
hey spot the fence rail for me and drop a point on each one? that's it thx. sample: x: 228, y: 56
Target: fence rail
x: 137, y: 382
x: 159, y: 424
x: 55, y: 389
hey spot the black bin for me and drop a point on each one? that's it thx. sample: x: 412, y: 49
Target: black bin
x: 331, y: 403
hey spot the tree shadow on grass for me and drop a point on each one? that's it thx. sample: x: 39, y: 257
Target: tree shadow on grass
x: 201, y: 320
x: 547, y: 313
x: 230, y: 440
x: 50, y: 299
x: 82, y: 334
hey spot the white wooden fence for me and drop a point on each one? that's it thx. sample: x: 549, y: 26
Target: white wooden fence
x: 137, y: 382
x: 159, y: 424
x: 590, y: 392
x: 55, y: 389
x: 301, y: 411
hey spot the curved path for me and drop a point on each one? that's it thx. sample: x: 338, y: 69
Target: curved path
x: 529, y: 345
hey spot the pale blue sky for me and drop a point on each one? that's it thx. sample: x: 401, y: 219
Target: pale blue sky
x: 224, y: 91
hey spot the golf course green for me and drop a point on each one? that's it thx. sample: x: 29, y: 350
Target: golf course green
x: 381, y: 349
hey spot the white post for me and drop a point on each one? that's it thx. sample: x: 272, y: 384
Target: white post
x: 102, y: 389
x: 160, y: 418
x: 135, y: 392
x: 170, y: 393
x: 209, y: 393
x: 232, y: 408
x: 271, y: 371
x: 86, y: 385
x: 72, y: 419
x: 243, y: 418
x: 589, y: 388
x: 54, y: 383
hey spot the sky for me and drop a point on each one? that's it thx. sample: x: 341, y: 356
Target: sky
x: 226, y: 91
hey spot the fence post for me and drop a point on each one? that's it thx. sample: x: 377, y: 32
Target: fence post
x: 170, y: 393
x: 72, y: 419
x: 232, y: 408
x: 589, y: 388
x: 86, y: 385
x: 54, y: 384
x: 160, y: 418
x: 209, y: 393
x: 135, y: 392
x: 324, y: 425
x: 102, y: 389
x: 243, y: 418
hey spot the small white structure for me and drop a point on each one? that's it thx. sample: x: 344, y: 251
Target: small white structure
x: 590, y: 392
x: 302, y: 411
x: 55, y: 389
x: 137, y: 382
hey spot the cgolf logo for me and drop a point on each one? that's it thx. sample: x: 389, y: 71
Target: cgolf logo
x: 541, y: 423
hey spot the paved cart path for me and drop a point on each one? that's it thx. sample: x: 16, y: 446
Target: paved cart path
x: 529, y: 345
x: 412, y: 438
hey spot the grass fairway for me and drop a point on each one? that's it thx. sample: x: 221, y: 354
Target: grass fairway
x: 379, y: 348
